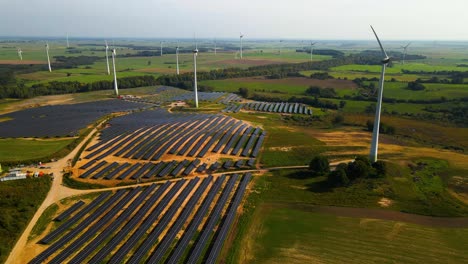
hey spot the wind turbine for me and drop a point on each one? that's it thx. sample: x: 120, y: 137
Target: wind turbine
x: 107, y: 58
x: 405, y: 49
x: 161, y: 47
x: 177, y: 57
x: 240, y: 37
x: 68, y: 43
x: 312, y: 49
x: 375, y: 133
x: 48, y: 58
x: 20, y: 53
x: 115, y: 74
x: 195, y: 53
x: 215, y: 47
x: 281, y: 41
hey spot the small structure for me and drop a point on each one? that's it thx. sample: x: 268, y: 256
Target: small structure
x: 14, y: 174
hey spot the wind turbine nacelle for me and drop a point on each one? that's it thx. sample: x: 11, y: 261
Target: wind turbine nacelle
x: 386, y: 60
x: 195, y: 51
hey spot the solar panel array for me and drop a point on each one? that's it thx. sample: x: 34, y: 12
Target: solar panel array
x: 150, y: 170
x: 141, y: 225
x: 290, y: 108
x: 59, y: 120
x: 150, y: 135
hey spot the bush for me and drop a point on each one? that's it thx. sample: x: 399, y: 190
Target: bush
x: 358, y: 169
x: 319, y: 165
x: 380, y: 167
x: 337, y: 178
x: 416, y: 86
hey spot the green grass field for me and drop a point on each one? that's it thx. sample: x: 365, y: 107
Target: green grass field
x: 27, y: 149
x: 289, y: 235
x: 283, y: 221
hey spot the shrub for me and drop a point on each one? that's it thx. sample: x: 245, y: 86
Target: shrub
x: 319, y: 165
x: 337, y: 178
x: 380, y: 167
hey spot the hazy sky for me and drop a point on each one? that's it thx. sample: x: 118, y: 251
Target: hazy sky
x: 300, y: 19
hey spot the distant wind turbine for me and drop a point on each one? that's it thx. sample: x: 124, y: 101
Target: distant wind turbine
x: 107, y: 58
x: 114, y: 54
x: 177, y: 57
x: 312, y: 49
x: 281, y: 41
x: 375, y: 133
x: 68, y: 43
x: 241, y: 37
x: 20, y: 53
x: 161, y: 47
x: 405, y: 50
x: 215, y: 47
x: 195, y: 54
x: 48, y: 58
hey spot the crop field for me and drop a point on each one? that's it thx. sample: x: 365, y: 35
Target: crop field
x: 182, y: 221
x: 59, y: 120
x: 169, y: 139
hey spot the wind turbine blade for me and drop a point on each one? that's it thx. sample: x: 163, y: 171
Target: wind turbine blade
x: 380, y: 44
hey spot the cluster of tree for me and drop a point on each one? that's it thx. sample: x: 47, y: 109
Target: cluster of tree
x: 321, y: 76
x: 344, y: 174
x: 328, y: 52
x: 395, y: 55
x: 416, y: 86
x: 54, y: 87
x: 383, y: 128
x: 457, y: 114
x: 321, y: 92
x: 19, y: 201
x: 63, y: 62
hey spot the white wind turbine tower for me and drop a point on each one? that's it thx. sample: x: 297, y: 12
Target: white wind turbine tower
x: 215, y: 47
x: 375, y: 133
x: 405, y: 49
x: 48, y: 58
x: 107, y: 58
x: 68, y: 43
x: 20, y: 53
x: 195, y: 53
x: 115, y: 74
x: 281, y: 41
x: 241, y: 37
x: 312, y: 49
x: 177, y: 58
x: 161, y: 47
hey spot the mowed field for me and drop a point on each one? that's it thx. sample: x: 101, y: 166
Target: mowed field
x: 291, y: 217
x: 27, y: 149
x: 290, y: 235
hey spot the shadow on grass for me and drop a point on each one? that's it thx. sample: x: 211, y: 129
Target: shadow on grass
x: 316, y: 184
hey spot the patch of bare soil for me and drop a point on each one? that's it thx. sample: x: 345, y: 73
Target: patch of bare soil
x: 385, y: 202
